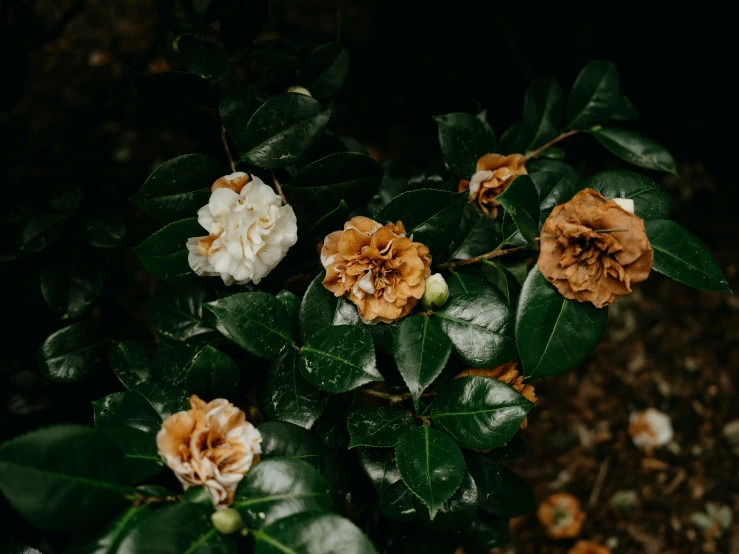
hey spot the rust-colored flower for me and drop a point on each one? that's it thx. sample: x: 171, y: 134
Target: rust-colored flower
x: 508, y: 374
x: 210, y: 445
x: 588, y: 547
x: 377, y: 267
x: 494, y: 173
x: 561, y: 516
x: 587, y: 264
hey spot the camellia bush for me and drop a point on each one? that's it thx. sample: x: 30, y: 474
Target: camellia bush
x: 346, y: 352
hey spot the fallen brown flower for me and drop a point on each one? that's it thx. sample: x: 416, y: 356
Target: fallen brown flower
x: 210, y: 445
x: 591, y: 266
x: 561, y: 516
x: 377, y: 267
x: 494, y: 173
x: 588, y: 547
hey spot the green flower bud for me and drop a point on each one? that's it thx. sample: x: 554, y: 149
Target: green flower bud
x: 300, y: 90
x: 436, y: 293
x: 226, y: 521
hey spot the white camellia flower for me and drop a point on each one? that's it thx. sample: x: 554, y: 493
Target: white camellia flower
x: 650, y: 429
x: 250, y: 231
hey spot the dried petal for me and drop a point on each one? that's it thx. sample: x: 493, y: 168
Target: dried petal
x: 494, y: 174
x: 650, y: 429
x: 561, y: 516
x: 588, y: 547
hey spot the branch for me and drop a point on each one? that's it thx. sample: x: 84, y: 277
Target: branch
x: 497, y: 253
x: 228, y: 151
x: 555, y: 140
x: 279, y: 188
x: 393, y: 397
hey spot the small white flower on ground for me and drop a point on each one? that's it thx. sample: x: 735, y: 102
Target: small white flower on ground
x: 300, y: 90
x: 250, y: 231
x: 650, y: 429
x: 436, y: 293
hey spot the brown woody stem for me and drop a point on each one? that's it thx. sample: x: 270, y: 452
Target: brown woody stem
x: 228, y: 151
x: 278, y: 187
x: 393, y: 397
x: 555, y: 140
x: 497, y: 253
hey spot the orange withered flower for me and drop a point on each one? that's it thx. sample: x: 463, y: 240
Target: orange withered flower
x: 588, y: 547
x: 593, y: 250
x: 494, y: 173
x: 561, y: 516
x: 379, y: 268
x: 506, y: 373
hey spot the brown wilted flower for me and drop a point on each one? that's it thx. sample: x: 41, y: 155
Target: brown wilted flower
x: 588, y: 547
x: 494, y: 174
x: 210, y: 445
x: 591, y: 266
x: 377, y: 267
x: 561, y: 516
x: 508, y: 374
x: 650, y: 429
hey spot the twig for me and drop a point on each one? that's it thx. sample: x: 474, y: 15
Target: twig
x: 555, y: 140
x: 599, y: 480
x: 228, y: 151
x: 497, y: 253
x: 279, y: 188
x: 393, y: 397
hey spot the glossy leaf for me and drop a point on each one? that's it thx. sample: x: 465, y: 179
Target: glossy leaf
x: 503, y: 279
x: 485, y: 471
x: 139, y: 448
x: 594, y: 95
x: 283, y: 130
x: 467, y: 280
x: 636, y: 149
x: 164, y: 254
x: 480, y: 327
x: 256, y: 321
x: 204, y: 371
x: 377, y: 426
x: 521, y: 201
x: 326, y: 69
x: 556, y: 183
x: 178, y: 188
x: 331, y: 428
x: 332, y: 221
x: 346, y: 176
x: 429, y: 216
x: 379, y: 465
x: 321, y: 309
x: 480, y: 413
x: 459, y: 511
x: 624, y: 111
x: 514, y: 498
x: 108, y: 539
x: 131, y: 363
x: 238, y: 103
x: 399, y: 503
x: 421, y: 350
x: 430, y: 464
x: 277, y: 488
x: 103, y: 231
x: 71, y: 286
x: 477, y: 234
x: 63, y: 478
x: 557, y: 333
x: 464, y: 139
x: 681, y: 255
x: 176, y: 313
x: 280, y: 438
x: 287, y: 396
x: 650, y: 201
x: 40, y: 231
x: 203, y: 58
x: 515, y: 139
x: 485, y: 533
x: 68, y: 354
x: 543, y: 110
x: 339, y: 358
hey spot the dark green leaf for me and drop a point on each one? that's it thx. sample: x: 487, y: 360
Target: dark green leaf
x: 650, y: 201
x: 178, y: 188
x: 553, y: 153
x: 485, y: 472
x: 543, y: 110
x: 238, y: 104
x: 399, y: 503
x: 256, y: 321
x: 339, y: 358
x: 277, y: 488
x: 325, y: 71
x: 139, y: 448
x: 624, y: 111
x: 202, y: 370
x: 521, y: 201
x: 431, y: 465
x: 554, y: 334
x: 515, y: 139
x: 164, y: 254
x: 286, y: 396
x: 280, y: 438
x: 486, y: 533
x: 503, y: 279
x: 480, y: 413
x: 421, y: 351
x: 103, y: 231
x: 556, y: 182
x: 332, y: 221
x: 429, y: 216
x: 203, y: 58
x: 68, y: 354
x: 108, y: 540
x: 379, y: 465
x: 466, y: 280
x: 290, y: 302
x: 514, y: 498
x: 464, y: 139
x: 40, y: 231
x: 514, y: 450
x: 331, y: 428
x: 477, y: 234
x: 378, y: 426
x: 321, y: 309
x: 457, y: 513
x: 63, y: 478
x: 312, y: 533
x: 346, y: 176
x: 176, y: 312
x: 480, y: 327
x: 70, y: 286
x: 131, y: 363
x: 681, y: 255
x: 594, y: 95
x: 283, y: 130
x: 636, y: 149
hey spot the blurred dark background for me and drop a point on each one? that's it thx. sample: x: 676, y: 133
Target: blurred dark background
x: 73, y: 118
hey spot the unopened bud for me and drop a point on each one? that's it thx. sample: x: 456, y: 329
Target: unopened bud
x: 300, y: 90
x: 226, y: 521
x: 436, y: 293
x: 626, y: 203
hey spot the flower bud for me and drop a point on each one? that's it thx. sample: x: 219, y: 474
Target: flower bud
x: 436, y: 293
x: 300, y: 90
x: 226, y: 521
x: 626, y: 203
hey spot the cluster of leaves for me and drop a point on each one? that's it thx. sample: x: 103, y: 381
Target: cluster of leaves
x: 359, y: 420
